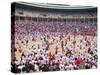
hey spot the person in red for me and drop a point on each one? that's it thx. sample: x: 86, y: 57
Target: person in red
x: 50, y: 56
x: 60, y: 60
x: 78, y: 61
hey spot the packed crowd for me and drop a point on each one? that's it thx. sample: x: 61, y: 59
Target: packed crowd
x: 55, y: 14
x: 54, y: 46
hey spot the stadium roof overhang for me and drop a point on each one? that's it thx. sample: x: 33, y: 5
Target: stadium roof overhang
x: 55, y: 6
